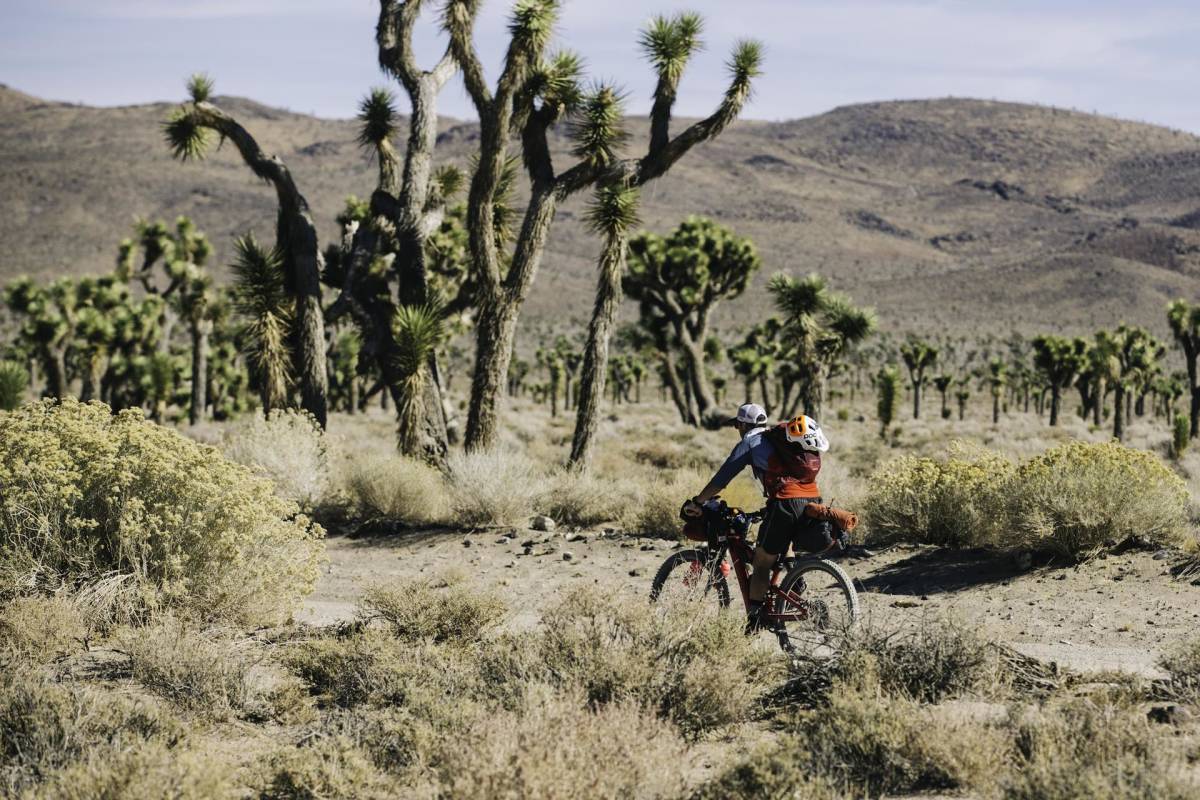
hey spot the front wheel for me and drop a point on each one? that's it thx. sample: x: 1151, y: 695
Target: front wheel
x: 687, y: 574
x: 815, y: 602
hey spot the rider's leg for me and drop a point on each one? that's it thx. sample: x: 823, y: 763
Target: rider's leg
x: 763, y: 561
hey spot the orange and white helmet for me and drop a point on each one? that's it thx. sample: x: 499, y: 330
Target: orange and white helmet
x: 804, y: 431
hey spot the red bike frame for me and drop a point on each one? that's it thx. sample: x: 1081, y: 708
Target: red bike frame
x: 741, y: 553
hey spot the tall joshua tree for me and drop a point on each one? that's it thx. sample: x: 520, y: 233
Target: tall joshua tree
x: 260, y: 298
x: 1184, y: 319
x: 531, y: 94
x: 418, y: 330
x: 188, y: 133
x: 612, y: 215
x: 1058, y: 360
x: 996, y: 377
x: 918, y: 356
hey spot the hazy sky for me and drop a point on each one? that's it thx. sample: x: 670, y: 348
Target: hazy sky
x: 1131, y: 58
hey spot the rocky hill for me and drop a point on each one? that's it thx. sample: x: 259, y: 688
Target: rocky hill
x: 952, y: 213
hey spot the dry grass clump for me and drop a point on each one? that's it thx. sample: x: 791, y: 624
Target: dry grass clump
x: 1088, y: 750
x: 1183, y: 663
x: 692, y: 664
x: 422, y: 610
x: 41, y: 628
x: 553, y: 745
x: 147, y: 771
x: 1077, y: 498
x: 769, y: 772
x: 397, y: 488
x: 46, y: 726
x: 86, y: 495
x: 1072, y: 500
x: 494, y: 488
x: 583, y: 499
x: 288, y: 447
x: 327, y: 768
x: 204, y: 672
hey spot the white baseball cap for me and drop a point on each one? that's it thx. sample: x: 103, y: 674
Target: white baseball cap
x: 750, y: 414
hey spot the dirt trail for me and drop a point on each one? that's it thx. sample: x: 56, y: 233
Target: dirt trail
x: 1115, y: 613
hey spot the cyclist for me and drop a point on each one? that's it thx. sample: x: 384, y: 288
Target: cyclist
x: 789, y: 481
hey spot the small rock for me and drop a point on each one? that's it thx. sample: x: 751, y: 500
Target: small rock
x: 648, y: 547
x: 636, y: 573
x: 576, y: 537
x: 528, y: 543
x: 1162, y: 555
x: 466, y: 542
x: 905, y: 604
x: 503, y: 540
x: 567, y: 555
x: 1060, y: 577
x: 542, y: 523
x: 1172, y: 714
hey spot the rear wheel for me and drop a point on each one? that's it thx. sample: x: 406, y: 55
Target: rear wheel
x: 817, y: 602
x: 689, y: 574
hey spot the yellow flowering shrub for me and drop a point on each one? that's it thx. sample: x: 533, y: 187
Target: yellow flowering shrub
x: 1071, y: 500
x: 1078, y: 497
x: 955, y: 502
x: 85, y: 493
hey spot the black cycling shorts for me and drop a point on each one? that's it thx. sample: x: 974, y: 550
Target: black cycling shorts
x: 786, y: 523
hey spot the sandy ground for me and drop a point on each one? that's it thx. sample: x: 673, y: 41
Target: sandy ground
x: 1115, y: 613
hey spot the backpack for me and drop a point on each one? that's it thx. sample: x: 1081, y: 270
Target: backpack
x: 798, y: 464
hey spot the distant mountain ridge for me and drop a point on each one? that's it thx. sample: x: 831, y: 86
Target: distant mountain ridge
x: 946, y: 213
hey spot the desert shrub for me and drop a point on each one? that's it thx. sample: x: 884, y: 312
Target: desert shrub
x: 658, y: 512
x: 495, y: 488
x: 935, y: 660
x: 85, y: 494
x: 1084, y: 750
x: 199, y: 672
x: 14, y: 379
x: 581, y: 499
x: 328, y: 768
x: 41, y: 628
x: 421, y: 610
x: 397, y: 488
x: 1181, y: 434
x: 1078, y: 497
x: 955, y: 502
x: 554, y: 746
x: 880, y: 744
x: 1183, y: 663
x: 288, y: 447
x: 691, y: 664
x: 147, y: 771
x: 372, y: 667
x: 769, y: 772
x: 665, y: 453
x: 45, y: 726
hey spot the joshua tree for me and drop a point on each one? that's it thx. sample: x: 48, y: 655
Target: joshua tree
x: 819, y: 327
x: 679, y: 279
x: 918, y: 356
x: 532, y: 93
x: 344, y: 368
x: 188, y: 133
x: 1058, y: 361
x: 962, y: 394
x: 1135, y: 352
x: 996, y: 378
x: 418, y: 330
x: 48, y: 322
x: 943, y: 383
x: 887, y: 383
x: 260, y: 298
x: 612, y: 214
x: 1184, y: 319
x: 14, y: 379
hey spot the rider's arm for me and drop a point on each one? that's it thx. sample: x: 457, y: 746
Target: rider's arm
x: 738, y: 460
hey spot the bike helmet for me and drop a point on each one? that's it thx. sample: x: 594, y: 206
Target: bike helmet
x: 804, y: 431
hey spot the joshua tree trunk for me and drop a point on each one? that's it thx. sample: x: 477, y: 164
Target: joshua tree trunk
x: 1055, y: 400
x: 200, y: 334
x: 352, y: 405
x: 595, y: 355
x: 1098, y: 403
x: 996, y: 409
x: 56, y: 372
x: 1119, y: 412
x: 296, y: 237
x: 916, y: 387
x: 766, y: 395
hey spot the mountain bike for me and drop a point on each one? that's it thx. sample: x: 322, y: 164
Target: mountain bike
x: 809, y: 598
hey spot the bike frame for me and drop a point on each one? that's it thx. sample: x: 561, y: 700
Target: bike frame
x: 741, y: 554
